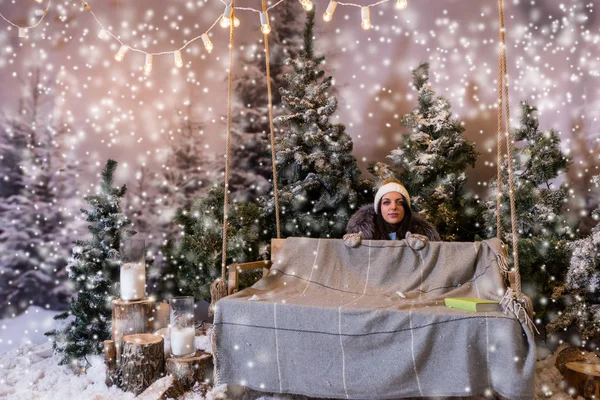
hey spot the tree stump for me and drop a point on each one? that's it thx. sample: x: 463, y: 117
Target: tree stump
x: 590, y: 378
x: 110, y: 360
x: 189, y: 370
x: 131, y: 317
x: 166, y: 387
x: 142, y: 362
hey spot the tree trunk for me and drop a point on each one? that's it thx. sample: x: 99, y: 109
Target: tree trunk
x: 110, y: 360
x: 587, y: 378
x: 165, y: 388
x: 189, y: 370
x: 142, y: 362
x: 131, y: 317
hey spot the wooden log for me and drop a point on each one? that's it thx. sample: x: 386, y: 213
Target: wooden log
x: 131, y: 317
x: 190, y: 370
x: 166, y: 387
x: 161, y: 316
x: 110, y: 360
x: 590, y: 377
x: 142, y: 362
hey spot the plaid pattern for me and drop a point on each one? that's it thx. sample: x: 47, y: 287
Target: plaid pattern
x: 370, y: 323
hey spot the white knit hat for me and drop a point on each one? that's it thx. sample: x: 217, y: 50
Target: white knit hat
x: 391, y: 187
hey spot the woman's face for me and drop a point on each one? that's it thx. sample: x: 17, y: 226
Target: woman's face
x: 392, y: 209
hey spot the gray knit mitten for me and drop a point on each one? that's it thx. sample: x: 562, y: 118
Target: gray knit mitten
x: 416, y: 241
x: 353, y: 239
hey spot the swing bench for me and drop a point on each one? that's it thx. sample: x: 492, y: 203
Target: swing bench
x: 369, y: 322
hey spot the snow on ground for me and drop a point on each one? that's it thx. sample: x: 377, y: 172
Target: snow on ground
x: 28, y: 370
x: 27, y: 328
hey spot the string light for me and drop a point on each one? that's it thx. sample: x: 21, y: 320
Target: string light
x: 148, y: 64
x: 226, y: 18
x: 307, y: 5
x: 225, y: 21
x: 365, y: 16
x: 177, y: 59
x: 103, y: 34
x: 265, y: 28
x: 328, y: 14
x: 121, y: 53
x: 207, y: 43
x: 23, y: 31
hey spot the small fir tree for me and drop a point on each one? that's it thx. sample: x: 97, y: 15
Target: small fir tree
x: 581, y: 288
x: 94, y: 271
x: 319, y: 181
x: 541, y: 224
x: 193, y: 262
x: 431, y: 163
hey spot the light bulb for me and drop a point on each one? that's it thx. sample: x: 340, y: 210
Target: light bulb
x: 148, y: 63
x: 224, y: 22
x: 328, y: 14
x: 226, y: 18
x: 121, y: 53
x: 307, y: 5
x: 23, y: 32
x: 38, y: 1
x: 39, y: 13
x: 177, y: 59
x: 401, y: 4
x: 207, y: 43
x: 365, y: 16
x: 103, y: 34
x: 236, y: 22
x: 265, y: 28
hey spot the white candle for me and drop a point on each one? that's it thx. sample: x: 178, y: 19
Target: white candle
x: 133, y: 281
x: 182, y: 341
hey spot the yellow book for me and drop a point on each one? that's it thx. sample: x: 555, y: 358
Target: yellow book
x: 472, y: 304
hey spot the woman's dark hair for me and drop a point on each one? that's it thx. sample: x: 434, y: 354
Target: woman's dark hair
x: 383, y: 229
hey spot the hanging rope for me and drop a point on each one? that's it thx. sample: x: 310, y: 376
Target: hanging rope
x: 271, y: 127
x: 218, y: 289
x: 513, y: 300
x: 504, y: 105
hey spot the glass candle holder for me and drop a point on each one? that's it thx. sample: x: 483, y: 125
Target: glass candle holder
x: 182, y: 327
x: 133, y: 270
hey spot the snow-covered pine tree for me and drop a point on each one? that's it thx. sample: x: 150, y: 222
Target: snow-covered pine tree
x: 431, y: 163
x: 251, y: 168
x: 183, y: 175
x: 319, y: 181
x: 193, y: 261
x: 34, y: 203
x: 581, y: 287
x: 539, y: 200
x: 94, y: 273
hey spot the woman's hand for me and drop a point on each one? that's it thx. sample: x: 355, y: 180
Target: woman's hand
x: 416, y: 241
x: 353, y: 239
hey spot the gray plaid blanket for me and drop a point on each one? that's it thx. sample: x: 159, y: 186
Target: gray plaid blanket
x: 369, y: 322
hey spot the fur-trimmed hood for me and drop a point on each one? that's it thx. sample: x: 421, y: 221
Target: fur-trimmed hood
x: 363, y: 221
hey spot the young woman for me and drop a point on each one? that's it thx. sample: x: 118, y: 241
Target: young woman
x: 390, y: 217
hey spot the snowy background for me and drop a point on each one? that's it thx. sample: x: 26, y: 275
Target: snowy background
x: 113, y: 110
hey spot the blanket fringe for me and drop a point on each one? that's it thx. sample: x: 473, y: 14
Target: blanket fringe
x: 521, y: 306
x: 503, y: 264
